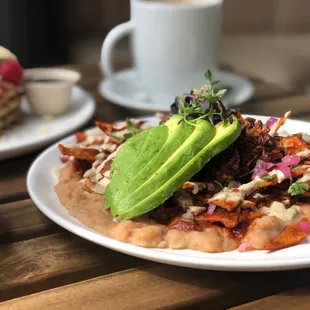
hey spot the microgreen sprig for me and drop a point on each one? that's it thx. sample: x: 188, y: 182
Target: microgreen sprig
x: 204, y: 103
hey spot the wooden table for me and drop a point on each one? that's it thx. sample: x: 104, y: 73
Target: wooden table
x: 42, y: 266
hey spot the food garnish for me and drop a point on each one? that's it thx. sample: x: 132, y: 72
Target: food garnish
x: 298, y: 188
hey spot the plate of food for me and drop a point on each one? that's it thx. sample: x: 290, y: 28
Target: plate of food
x: 38, y: 106
x: 202, y: 187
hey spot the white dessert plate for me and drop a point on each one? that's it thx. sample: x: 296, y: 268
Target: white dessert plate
x: 40, y: 183
x: 35, y: 132
x: 124, y: 89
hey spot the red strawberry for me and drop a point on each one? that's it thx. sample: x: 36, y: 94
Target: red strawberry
x: 11, y: 71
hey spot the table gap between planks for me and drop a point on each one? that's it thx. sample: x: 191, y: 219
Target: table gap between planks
x: 44, y: 266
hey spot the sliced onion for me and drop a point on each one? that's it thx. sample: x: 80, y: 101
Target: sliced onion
x: 269, y: 165
x: 211, y: 208
x: 291, y: 160
x: 258, y: 174
x: 243, y: 247
x: 283, y: 167
x: 260, y: 164
x: 271, y: 121
x: 261, y: 168
x: 235, y: 184
x: 306, y: 137
x: 304, y: 226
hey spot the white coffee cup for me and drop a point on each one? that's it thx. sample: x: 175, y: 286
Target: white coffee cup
x: 173, y: 42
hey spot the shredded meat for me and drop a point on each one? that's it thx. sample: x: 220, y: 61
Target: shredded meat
x: 81, y: 165
x: 238, y: 160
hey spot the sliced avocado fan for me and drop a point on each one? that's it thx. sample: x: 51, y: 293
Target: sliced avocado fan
x: 152, y: 165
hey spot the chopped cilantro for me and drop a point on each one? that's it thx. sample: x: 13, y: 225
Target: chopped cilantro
x: 267, y: 177
x: 231, y: 184
x: 128, y: 135
x: 132, y: 129
x: 298, y: 188
x: 259, y: 185
x: 115, y: 137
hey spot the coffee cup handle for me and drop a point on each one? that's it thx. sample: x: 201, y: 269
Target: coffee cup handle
x: 109, y: 43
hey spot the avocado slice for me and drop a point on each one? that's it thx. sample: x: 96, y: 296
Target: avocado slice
x: 144, y: 154
x: 134, y: 176
x: 179, y: 169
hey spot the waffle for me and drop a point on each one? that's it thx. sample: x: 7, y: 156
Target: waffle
x: 10, y: 101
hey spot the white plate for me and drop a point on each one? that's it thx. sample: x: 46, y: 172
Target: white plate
x: 123, y: 89
x: 40, y: 186
x: 34, y: 132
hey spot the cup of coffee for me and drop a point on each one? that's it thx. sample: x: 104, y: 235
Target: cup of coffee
x: 174, y: 42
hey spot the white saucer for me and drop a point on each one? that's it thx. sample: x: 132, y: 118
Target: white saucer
x: 123, y: 89
x: 35, y: 132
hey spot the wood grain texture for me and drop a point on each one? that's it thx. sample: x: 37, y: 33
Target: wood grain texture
x: 13, y: 178
x: 161, y: 287
x: 55, y: 260
x: 294, y: 299
x: 22, y: 220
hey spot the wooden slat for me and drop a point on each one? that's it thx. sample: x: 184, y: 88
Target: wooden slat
x: 22, y: 220
x: 55, y: 260
x: 162, y: 287
x: 13, y: 178
x: 294, y: 299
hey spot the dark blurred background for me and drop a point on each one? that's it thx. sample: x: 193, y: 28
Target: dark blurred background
x: 66, y: 31
x: 275, y: 32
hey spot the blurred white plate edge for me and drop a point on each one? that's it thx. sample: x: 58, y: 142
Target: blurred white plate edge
x: 124, y: 90
x: 34, y: 132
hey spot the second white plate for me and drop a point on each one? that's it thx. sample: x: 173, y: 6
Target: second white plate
x: 35, y: 132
